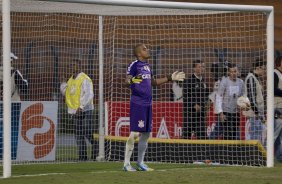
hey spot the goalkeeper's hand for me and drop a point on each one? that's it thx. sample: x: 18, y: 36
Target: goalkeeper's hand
x: 136, y: 80
x: 176, y: 76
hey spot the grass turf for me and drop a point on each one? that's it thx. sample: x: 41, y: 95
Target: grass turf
x: 111, y: 172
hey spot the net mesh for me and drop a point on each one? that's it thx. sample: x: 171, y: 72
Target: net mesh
x: 47, y: 36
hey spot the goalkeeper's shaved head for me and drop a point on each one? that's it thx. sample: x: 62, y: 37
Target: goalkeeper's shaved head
x: 141, y: 52
x: 137, y: 49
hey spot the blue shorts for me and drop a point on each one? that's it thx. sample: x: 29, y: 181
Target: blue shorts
x: 140, y: 118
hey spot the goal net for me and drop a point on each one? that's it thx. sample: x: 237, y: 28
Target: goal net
x: 49, y: 38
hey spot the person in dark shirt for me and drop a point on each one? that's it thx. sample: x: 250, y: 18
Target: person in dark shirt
x: 195, y: 97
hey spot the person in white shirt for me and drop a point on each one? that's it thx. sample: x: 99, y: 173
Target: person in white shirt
x: 177, y: 91
x: 230, y: 89
x: 218, y: 71
x: 78, y: 92
x: 19, y: 85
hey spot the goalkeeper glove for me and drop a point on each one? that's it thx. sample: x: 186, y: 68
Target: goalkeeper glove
x: 136, y: 80
x: 176, y: 76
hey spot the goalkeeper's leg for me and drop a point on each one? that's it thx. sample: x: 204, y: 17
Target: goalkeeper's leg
x: 142, y: 147
x: 129, y: 147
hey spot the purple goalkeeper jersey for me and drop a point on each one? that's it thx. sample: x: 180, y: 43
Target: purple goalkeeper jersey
x: 141, y: 93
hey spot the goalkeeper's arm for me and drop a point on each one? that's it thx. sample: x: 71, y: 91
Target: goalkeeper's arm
x: 176, y: 76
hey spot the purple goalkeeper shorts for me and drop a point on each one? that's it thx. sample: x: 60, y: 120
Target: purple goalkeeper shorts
x: 140, y: 118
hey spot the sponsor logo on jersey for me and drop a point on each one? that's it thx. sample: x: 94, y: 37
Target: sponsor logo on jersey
x: 147, y: 68
x: 146, y: 76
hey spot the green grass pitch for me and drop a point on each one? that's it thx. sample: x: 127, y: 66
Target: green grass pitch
x: 111, y: 172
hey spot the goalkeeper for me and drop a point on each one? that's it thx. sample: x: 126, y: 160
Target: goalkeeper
x: 140, y: 79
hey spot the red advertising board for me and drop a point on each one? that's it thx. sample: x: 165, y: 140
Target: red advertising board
x: 167, y: 120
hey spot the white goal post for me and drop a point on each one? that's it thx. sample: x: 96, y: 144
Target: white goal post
x: 101, y: 34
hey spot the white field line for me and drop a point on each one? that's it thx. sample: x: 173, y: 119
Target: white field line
x: 35, y: 175
x: 115, y: 171
x: 98, y: 172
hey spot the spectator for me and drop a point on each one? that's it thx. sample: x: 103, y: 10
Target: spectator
x: 195, y: 97
x: 78, y: 92
x: 19, y: 85
x: 218, y: 71
x: 254, y: 91
x: 230, y: 88
x: 278, y: 107
x: 177, y: 92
